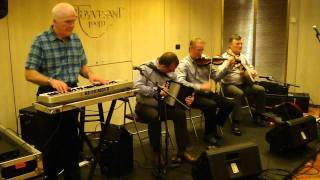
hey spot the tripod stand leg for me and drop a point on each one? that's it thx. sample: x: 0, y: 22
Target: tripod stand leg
x: 135, y: 124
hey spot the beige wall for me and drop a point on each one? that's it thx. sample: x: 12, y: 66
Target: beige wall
x: 7, y: 109
x: 145, y: 30
x: 303, y: 66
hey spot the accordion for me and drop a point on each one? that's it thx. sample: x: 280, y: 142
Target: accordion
x: 179, y: 91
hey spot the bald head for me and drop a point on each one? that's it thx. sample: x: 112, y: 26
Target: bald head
x: 61, y: 10
x: 196, y: 48
x: 193, y: 42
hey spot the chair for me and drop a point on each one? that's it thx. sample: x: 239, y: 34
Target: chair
x: 246, y: 105
x: 191, y: 118
x: 135, y: 120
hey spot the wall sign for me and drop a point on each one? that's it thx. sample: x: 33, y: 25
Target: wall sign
x: 96, y: 22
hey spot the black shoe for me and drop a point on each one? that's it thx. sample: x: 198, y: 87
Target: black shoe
x: 235, y: 129
x: 211, y: 140
x: 259, y: 120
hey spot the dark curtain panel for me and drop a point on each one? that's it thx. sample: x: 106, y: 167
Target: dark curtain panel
x: 239, y: 19
x: 263, y: 27
x: 271, y: 38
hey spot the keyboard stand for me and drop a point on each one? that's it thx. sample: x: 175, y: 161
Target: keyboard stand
x: 103, y: 133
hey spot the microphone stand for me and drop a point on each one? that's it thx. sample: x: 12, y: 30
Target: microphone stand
x: 163, y: 118
x: 318, y: 36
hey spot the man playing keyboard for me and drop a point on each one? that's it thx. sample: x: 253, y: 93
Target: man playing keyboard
x: 54, y: 63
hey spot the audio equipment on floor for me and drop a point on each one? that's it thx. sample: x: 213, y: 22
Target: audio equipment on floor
x: 116, y: 153
x: 292, y: 134
x: 239, y: 161
x: 29, y: 124
x: 287, y: 111
x: 300, y: 99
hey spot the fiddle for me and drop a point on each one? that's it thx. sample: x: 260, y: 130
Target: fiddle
x: 216, y: 60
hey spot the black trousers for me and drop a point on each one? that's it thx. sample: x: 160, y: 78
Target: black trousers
x: 150, y: 115
x: 215, y: 108
x: 59, y: 142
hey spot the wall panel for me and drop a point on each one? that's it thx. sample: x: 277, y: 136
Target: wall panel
x: 177, y: 26
x: 147, y: 30
x: 202, y: 23
x: 7, y: 109
x: 307, y: 63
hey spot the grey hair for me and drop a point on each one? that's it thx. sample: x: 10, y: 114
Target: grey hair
x: 58, y: 9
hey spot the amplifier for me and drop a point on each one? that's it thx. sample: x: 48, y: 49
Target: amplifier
x: 116, y: 153
x: 238, y: 161
x: 300, y: 99
x: 292, y: 134
x: 28, y: 124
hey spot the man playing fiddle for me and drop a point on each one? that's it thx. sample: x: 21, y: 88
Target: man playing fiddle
x: 191, y: 72
x: 235, y: 85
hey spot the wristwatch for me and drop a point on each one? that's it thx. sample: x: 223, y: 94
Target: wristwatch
x: 49, y: 80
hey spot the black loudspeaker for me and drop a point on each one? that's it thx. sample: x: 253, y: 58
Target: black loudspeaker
x: 3, y: 8
x: 301, y: 99
x: 292, y: 134
x: 116, y: 153
x: 240, y: 161
x: 28, y: 124
x: 287, y: 111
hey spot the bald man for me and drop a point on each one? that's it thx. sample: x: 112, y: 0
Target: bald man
x: 54, y: 63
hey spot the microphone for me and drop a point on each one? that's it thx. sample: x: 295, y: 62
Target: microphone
x: 316, y: 29
x: 270, y: 78
x: 138, y: 68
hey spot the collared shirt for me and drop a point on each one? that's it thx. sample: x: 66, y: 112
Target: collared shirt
x: 148, y: 90
x: 233, y: 75
x: 190, y: 74
x: 57, y: 59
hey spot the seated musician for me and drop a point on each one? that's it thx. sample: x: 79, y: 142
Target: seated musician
x: 193, y: 73
x: 54, y: 63
x: 147, y: 109
x: 234, y: 83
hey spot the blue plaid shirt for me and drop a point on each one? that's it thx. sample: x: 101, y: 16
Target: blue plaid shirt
x: 54, y: 58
